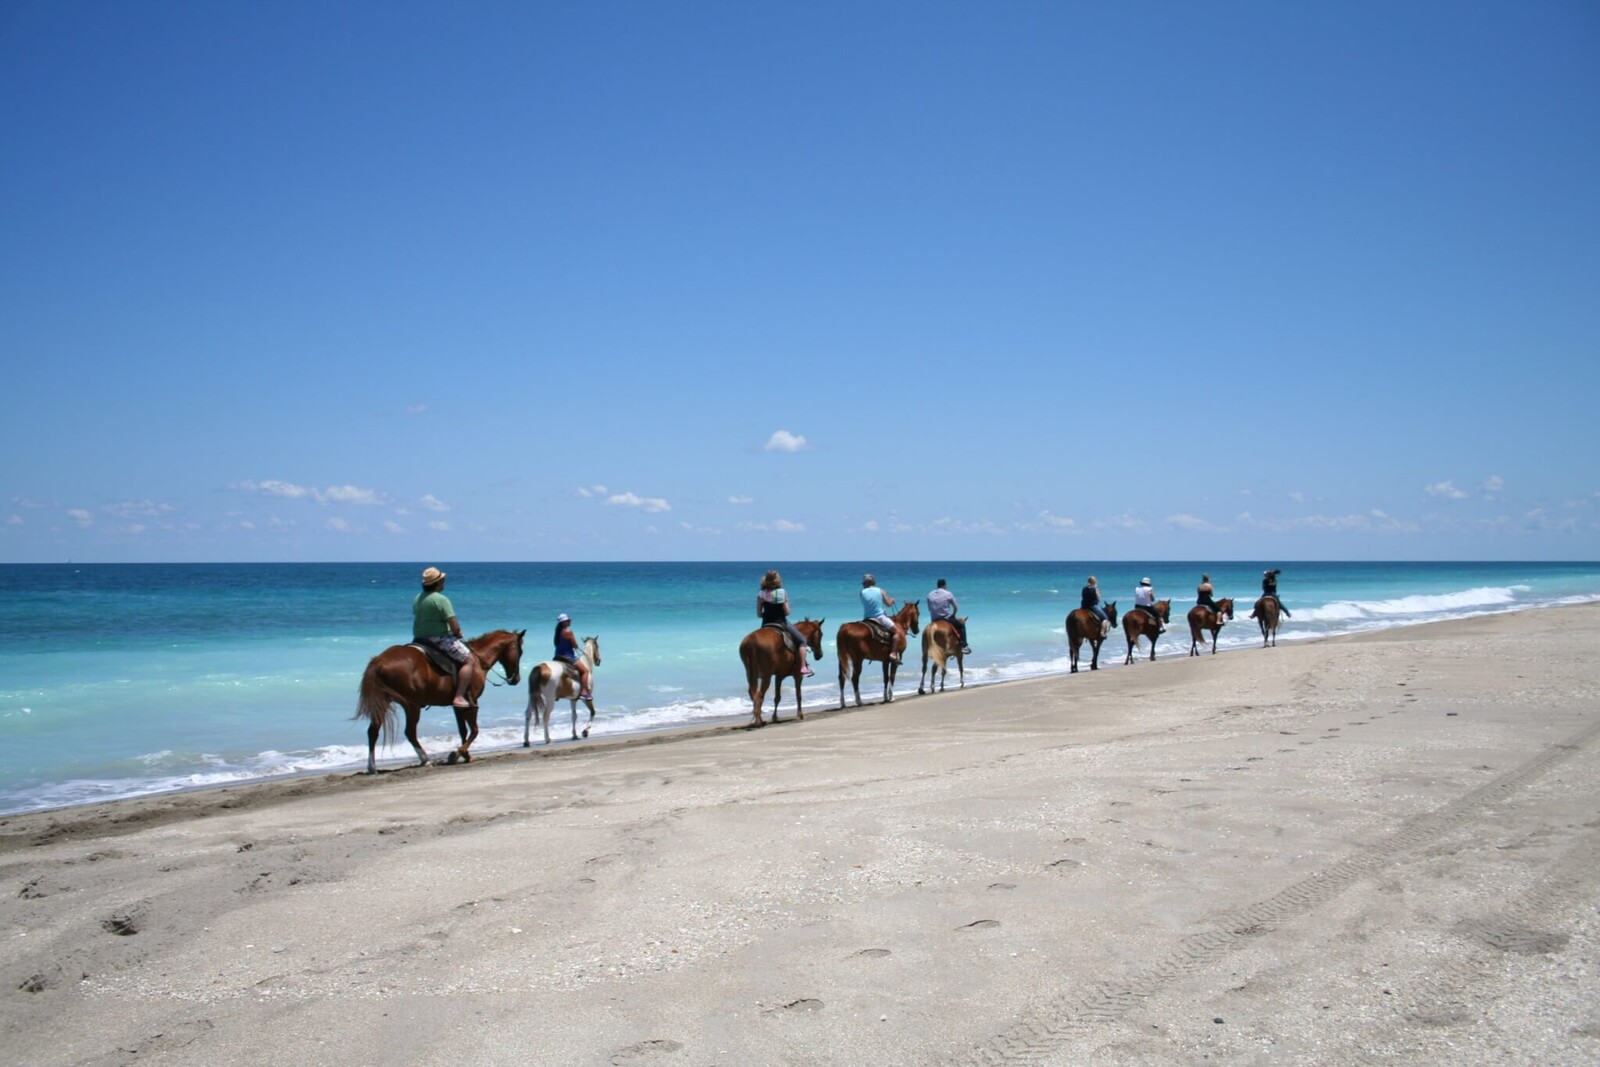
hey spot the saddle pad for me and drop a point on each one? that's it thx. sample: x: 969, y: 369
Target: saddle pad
x: 441, y: 661
x: 880, y: 631
x: 783, y: 632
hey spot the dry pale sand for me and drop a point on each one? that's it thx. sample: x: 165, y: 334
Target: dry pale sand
x: 1377, y: 849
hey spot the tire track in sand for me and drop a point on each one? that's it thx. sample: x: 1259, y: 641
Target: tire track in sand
x: 1041, y: 1032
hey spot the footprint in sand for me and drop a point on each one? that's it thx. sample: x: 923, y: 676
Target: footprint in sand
x: 644, y: 1050
x: 981, y: 924
x: 874, y: 953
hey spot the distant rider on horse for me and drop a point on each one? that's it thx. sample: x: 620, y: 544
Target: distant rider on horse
x: 1269, y: 587
x: 569, y: 652
x: 433, y: 621
x: 875, y: 605
x: 1090, y: 601
x: 772, y: 604
x: 942, y: 605
x: 1145, y: 597
x: 1202, y: 595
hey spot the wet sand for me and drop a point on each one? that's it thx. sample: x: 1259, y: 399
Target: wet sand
x: 1374, y: 848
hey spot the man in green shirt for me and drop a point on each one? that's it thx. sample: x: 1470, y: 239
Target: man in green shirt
x: 433, y: 620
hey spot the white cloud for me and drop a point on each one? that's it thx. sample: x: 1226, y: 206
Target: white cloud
x: 1446, y: 489
x: 341, y: 525
x: 80, y: 516
x: 32, y: 504
x: 442, y: 527
x: 417, y: 409
x: 15, y: 520
x: 777, y: 526
x: 348, y: 494
x: 129, y: 509
x: 871, y: 526
x: 1298, y: 497
x: 393, y: 527
x: 1186, y: 521
x: 784, y: 441
x: 591, y: 490
x: 741, y: 500
x: 433, y: 503
x: 651, y: 504
x: 1125, y: 521
x: 1492, y: 484
x: 1057, y: 522
x: 689, y: 528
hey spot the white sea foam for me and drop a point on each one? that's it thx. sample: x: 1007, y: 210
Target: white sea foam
x: 1443, y: 605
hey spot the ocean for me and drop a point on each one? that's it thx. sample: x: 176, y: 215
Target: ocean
x: 123, y: 680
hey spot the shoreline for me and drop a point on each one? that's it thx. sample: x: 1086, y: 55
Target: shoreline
x: 1383, y: 845
x: 103, y: 809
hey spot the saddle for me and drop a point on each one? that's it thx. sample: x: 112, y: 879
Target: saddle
x: 882, y: 634
x: 439, y: 660
x: 783, y: 632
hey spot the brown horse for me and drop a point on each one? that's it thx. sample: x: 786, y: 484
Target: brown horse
x: 401, y: 674
x: 1143, y: 622
x: 767, y: 658
x: 854, y: 645
x: 1084, y: 625
x: 1266, y: 616
x: 941, y: 640
x: 1202, y: 618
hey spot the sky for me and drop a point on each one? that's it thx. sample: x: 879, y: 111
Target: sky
x: 640, y: 281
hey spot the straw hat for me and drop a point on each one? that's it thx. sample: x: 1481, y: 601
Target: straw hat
x: 563, y: 617
x: 432, y: 576
x: 1144, y: 581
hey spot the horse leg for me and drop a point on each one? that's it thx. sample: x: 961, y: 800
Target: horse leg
x: 923, y: 676
x: 575, y: 717
x: 412, y: 715
x: 1133, y: 641
x: 372, y: 747
x: 758, y: 697
x: 1153, y: 645
x: 777, y: 695
x: 961, y: 668
x: 799, y: 707
x: 467, y: 724
x: 1072, y: 648
x: 855, y: 679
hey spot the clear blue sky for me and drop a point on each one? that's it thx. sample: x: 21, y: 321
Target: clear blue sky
x: 432, y: 282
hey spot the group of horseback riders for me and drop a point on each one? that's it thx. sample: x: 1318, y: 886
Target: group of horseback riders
x: 773, y: 606
x: 1145, y: 596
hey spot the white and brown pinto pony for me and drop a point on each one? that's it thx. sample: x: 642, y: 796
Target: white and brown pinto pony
x: 941, y: 642
x: 549, y: 682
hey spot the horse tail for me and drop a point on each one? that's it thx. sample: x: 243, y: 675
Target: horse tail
x: 376, y: 701
x: 1072, y: 626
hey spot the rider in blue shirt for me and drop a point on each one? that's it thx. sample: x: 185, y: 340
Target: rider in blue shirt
x: 875, y: 605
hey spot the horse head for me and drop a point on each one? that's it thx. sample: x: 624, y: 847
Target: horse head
x: 1164, y: 609
x: 591, y: 648
x: 812, y: 632
x: 1111, y: 612
x: 510, y: 658
x: 1225, y: 607
x: 910, y: 617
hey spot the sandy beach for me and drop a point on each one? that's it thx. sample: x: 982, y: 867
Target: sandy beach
x: 1382, y: 848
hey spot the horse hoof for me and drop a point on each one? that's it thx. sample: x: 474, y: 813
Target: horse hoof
x: 585, y: 731
x: 450, y: 760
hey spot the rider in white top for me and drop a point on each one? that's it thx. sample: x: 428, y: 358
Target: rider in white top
x: 1145, y: 597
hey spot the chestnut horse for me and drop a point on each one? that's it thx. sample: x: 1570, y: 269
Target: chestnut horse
x: 1084, y: 625
x: 941, y: 640
x: 1202, y: 618
x: 401, y: 674
x: 549, y: 682
x: 767, y: 658
x: 1142, y: 622
x: 854, y: 645
x: 1266, y: 616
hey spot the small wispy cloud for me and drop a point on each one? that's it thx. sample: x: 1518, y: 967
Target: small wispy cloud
x: 1185, y: 521
x: 784, y: 441
x: 587, y: 491
x: 776, y: 526
x: 80, y: 516
x: 1492, y: 485
x: 1446, y: 489
x: 741, y: 500
x: 432, y: 503
x: 417, y: 409
x: 334, y: 494
x: 138, y: 508
x: 871, y: 526
x: 442, y: 527
x: 393, y: 527
x: 634, y: 500
x: 339, y: 524
x: 15, y: 520
x: 1057, y: 522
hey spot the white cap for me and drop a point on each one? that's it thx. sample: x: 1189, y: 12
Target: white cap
x: 1144, y: 581
x: 563, y: 617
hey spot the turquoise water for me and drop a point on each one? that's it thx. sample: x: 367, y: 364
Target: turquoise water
x: 123, y: 680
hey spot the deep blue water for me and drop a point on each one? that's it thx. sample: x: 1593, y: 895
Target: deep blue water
x: 124, y: 679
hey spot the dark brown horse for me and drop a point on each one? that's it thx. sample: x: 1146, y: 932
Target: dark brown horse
x: 1202, y: 618
x: 855, y: 644
x: 941, y: 642
x: 767, y: 658
x: 1145, y: 622
x: 1266, y: 616
x: 401, y: 674
x: 1084, y: 625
